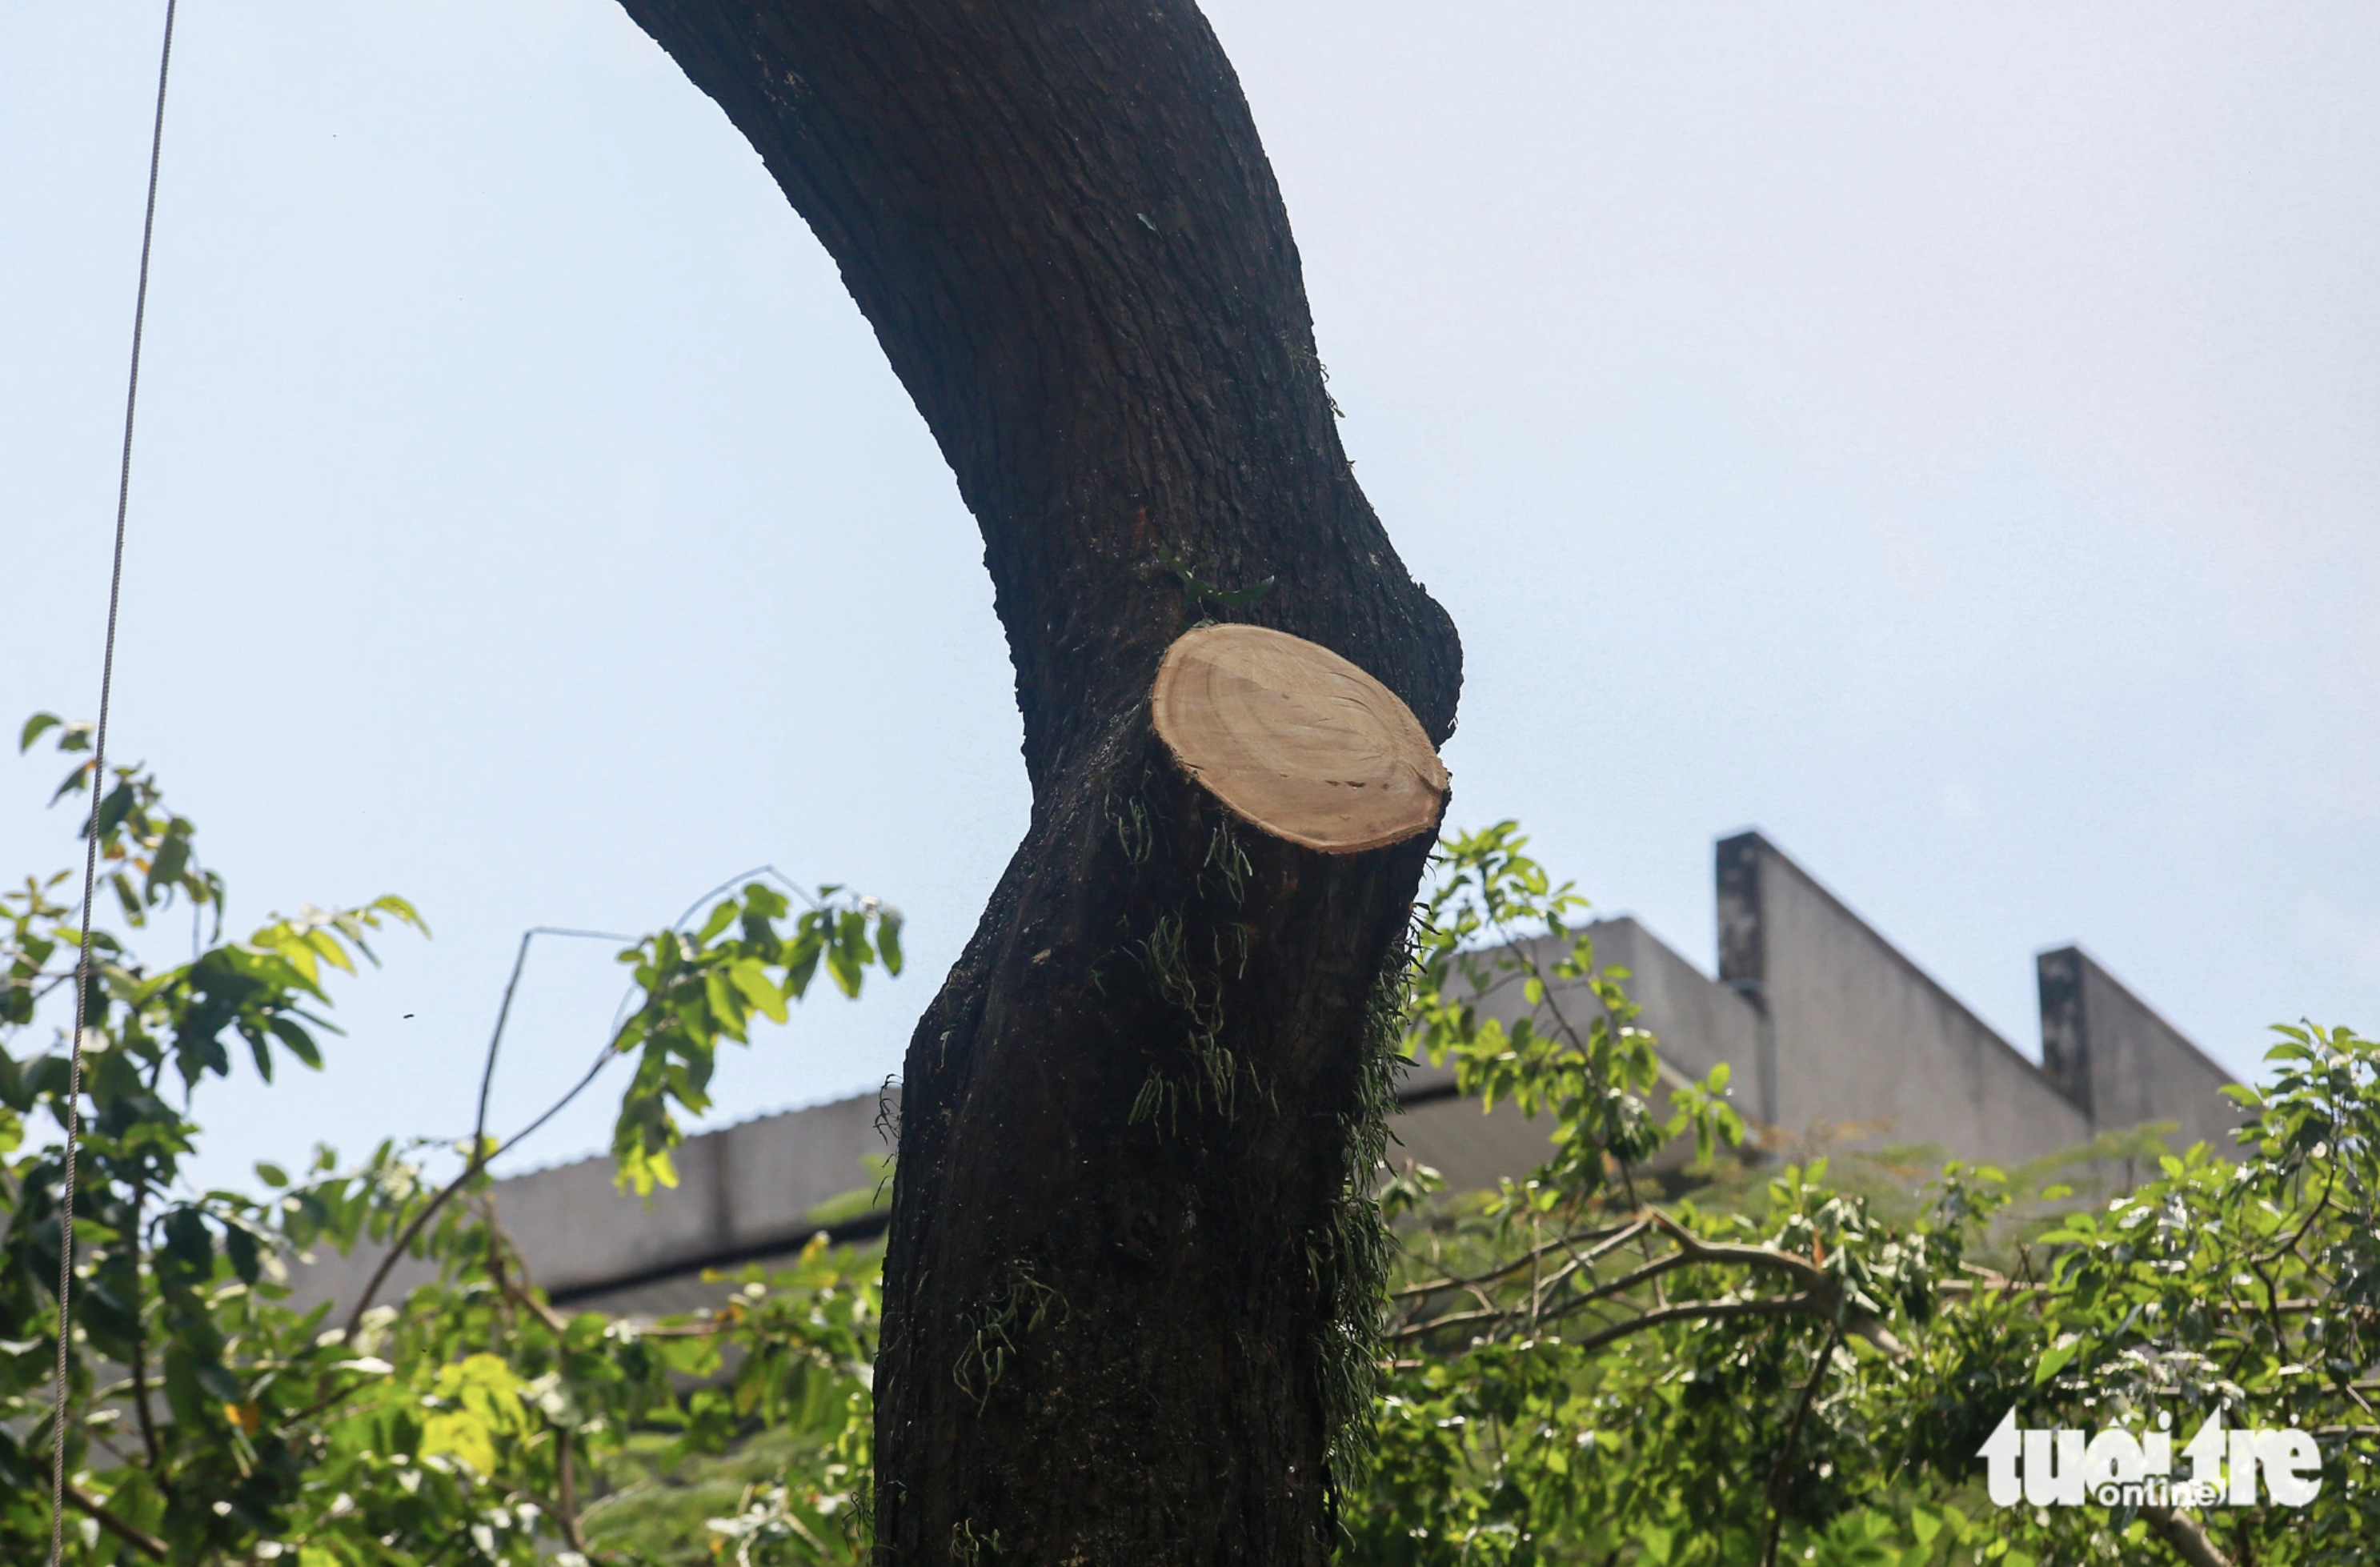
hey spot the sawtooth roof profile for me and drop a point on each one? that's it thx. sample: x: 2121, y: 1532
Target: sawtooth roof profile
x: 1822, y: 1022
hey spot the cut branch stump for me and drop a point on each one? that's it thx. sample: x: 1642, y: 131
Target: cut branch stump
x: 1295, y: 740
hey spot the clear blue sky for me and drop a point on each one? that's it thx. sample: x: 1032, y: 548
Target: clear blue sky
x: 1948, y: 439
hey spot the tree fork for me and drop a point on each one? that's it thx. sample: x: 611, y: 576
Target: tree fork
x: 1109, y: 1308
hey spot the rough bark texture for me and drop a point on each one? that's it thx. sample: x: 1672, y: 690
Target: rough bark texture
x: 1110, y: 1289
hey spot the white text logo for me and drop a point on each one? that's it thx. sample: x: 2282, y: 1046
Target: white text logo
x: 2063, y: 1468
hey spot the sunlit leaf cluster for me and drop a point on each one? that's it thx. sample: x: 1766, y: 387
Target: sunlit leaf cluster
x: 1663, y: 1346
x: 466, y: 1423
x: 706, y: 985
x: 1637, y: 1357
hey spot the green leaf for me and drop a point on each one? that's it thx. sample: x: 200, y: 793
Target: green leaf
x: 116, y: 808
x: 173, y: 857
x: 220, y: 1381
x: 845, y: 968
x: 239, y: 1244
x: 390, y: 903
x: 802, y: 965
x: 2055, y: 1358
x: 35, y: 727
x: 327, y: 944
x: 751, y: 979
x: 301, y: 1043
x: 725, y: 1012
x: 74, y: 780
x: 641, y: 1170
x: 187, y: 1239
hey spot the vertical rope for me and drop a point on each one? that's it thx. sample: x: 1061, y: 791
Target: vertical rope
x: 91, y: 846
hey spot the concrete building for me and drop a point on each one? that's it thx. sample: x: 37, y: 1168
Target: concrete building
x: 1821, y: 1020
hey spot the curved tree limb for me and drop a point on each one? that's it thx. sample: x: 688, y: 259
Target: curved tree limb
x: 1139, y: 1087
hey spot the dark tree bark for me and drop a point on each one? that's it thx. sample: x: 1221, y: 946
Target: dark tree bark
x: 1112, y: 1318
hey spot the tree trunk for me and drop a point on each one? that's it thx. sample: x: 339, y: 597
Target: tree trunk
x: 1124, y: 1289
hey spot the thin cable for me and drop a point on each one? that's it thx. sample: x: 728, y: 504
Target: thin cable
x: 91, y: 846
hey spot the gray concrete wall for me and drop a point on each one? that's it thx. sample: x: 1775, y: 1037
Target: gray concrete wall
x: 746, y: 1193
x: 1864, y: 1035
x: 743, y: 1192
x: 1472, y: 1151
x: 1820, y: 1019
x: 1696, y: 1024
x: 2123, y: 1062
x: 1697, y: 1021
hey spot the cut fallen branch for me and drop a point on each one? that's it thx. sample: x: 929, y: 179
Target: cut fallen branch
x: 1707, y: 1311
x: 1608, y: 1238
x: 1821, y: 1294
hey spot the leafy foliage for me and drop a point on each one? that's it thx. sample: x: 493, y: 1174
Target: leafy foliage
x: 1785, y: 1369
x: 469, y: 1424
x: 1637, y: 1354
x: 705, y: 985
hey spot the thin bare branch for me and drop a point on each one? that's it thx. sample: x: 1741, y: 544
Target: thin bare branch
x: 480, y: 1150
x: 566, y: 1487
x: 1610, y: 1236
x: 1784, y: 1464
x: 1707, y: 1311
x: 139, y: 1539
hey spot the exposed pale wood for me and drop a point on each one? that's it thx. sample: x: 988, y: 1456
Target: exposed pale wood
x: 1296, y: 740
